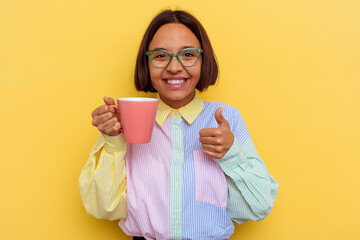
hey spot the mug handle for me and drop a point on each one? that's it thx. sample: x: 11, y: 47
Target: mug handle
x: 115, y: 106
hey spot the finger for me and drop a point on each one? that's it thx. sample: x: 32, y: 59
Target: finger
x: 109, y: 101
x: 213, y: 155
x: 213, y: 148
x: 210, y: 132
x: 108, y: 124
x: 114, y: 130
x: 211, y: 140
x: 220, y: 118
x: 102, y: 109
x: 101, y: 119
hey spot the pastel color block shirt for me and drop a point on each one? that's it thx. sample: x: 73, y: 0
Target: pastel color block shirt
x: 169, y: 188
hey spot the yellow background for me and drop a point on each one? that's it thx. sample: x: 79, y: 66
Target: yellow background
x: 290, y: 67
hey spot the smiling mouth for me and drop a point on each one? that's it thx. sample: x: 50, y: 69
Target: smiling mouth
x: 175, y: 81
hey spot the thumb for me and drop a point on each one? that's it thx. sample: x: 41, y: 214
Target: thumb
x: 109, y: 101
x: 220, y: 118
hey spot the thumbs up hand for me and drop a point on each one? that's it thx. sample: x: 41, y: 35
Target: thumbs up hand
x: 217, y: 141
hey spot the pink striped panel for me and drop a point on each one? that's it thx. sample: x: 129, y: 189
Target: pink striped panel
x: 148, y: 185
x: 210, y: 182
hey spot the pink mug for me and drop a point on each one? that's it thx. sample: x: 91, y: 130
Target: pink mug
x: 137, y: 118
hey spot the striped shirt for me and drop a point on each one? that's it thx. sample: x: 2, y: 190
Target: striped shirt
x: 169, y: 188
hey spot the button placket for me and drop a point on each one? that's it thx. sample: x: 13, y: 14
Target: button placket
x: 176, y: 178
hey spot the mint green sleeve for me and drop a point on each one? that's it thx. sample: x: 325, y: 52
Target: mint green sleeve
x: 251, y: 189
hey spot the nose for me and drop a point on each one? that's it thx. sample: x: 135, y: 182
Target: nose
x: 174, y: 65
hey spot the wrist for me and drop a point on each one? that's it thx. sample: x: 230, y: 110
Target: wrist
x: 114, y: 143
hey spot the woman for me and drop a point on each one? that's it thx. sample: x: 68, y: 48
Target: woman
x: 200, y: 171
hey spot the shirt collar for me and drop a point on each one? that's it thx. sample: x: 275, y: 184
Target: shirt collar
x: 189, y: 112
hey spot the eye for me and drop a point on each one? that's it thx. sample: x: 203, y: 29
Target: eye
x: 158, y: 55
x: 188, y: 54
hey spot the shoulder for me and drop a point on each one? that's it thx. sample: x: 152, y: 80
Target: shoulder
x: 233, y: 116
x: 228, y: 110
x: 230, y: 113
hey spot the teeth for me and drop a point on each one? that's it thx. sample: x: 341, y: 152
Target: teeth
x: 175, y: 81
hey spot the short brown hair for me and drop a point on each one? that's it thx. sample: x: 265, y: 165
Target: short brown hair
x: 209, y: 68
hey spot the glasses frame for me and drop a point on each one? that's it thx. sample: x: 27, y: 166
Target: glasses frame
x: 199, y: 50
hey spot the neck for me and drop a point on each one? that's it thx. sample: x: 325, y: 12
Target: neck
x: 178, y: 104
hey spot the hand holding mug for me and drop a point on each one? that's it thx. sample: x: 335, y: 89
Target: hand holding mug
x: 105, y: 118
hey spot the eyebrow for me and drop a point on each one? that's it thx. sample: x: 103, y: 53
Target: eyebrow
x: 183, y: 47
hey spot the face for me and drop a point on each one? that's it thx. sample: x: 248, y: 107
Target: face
x: 175, y: 83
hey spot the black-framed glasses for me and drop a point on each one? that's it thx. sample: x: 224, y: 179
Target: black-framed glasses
x: 187, y: 57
